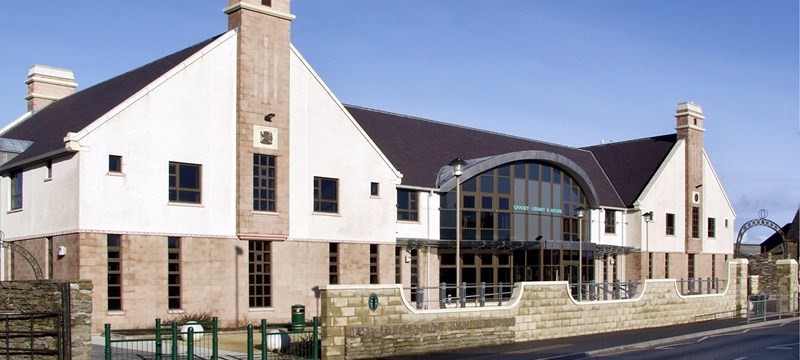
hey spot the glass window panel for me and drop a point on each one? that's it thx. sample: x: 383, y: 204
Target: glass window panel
x: 468, y: 235
x: 487, y: 202
x: 448, y: 201
x: 503, y: 221
x: 469, y: 202
x: 448, y: 218
x: 519, y: 171
x: 546, y: 170
x: 533, y: 228
x: 469, y: 219
x: 504, y: 185
x: 519, y: 227
x: 533, y: 171
x: 504, y: 170
x: 533, y: 193
x: 487, y: 220
x: 547, y: 228
x: 519, y: 191
x: 469, y: 185
x: 487, y: 183
x: 503, y: 204
x: 556, y: 176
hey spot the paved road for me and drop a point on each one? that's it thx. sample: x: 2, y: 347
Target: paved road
x: 611, y: 345
x: 775, y: 342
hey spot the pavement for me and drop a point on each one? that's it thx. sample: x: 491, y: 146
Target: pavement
x: 560, y: 348
x: 577, y: 347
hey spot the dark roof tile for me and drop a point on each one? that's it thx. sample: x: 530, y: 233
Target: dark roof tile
x: 48, y: 127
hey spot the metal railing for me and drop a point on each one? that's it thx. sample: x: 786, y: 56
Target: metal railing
x: 31, y: 335
x: 701, y: 286
x: 298, y: 342
x: 181, y: 341
x: 763, y: 307
x: 164, y: 341
x: 474, y: 295
x: 607, y: 290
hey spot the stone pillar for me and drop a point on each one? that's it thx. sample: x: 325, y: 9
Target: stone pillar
x: 787, y: 284
x: 753, y: 285
x: 737, y: 276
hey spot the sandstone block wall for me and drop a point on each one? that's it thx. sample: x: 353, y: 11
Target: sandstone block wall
x: 538, y: 310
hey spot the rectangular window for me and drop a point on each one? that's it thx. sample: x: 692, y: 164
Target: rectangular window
x: 16, y: 190
x: 174, y: 272
x: 670, y: 224
x: 333, y: 263
x: 184, y: 183
x: 264, y: 182
x: 373, y: 264
x: 666, y: 266
x: 114, y: 163
x: 398, y: 259
x: 374, y: 189
x: 49, y: 257
x: 48, y: 167
x: 260, y: 281
x: 691, y: 266
x: 712, y: 227
x: 695, y: 222
x: 326, y: 195
x: 713, y: 266
x: 114, y: 288
x: 611, y: 222
x: 407, y: 205
x: 650, y: 265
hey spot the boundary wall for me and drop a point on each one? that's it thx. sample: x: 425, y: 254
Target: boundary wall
x: 537, y: 310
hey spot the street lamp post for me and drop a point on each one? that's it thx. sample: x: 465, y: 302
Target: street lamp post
x: 648, y: 217
x: 580, y: 211
x: 458, y: 168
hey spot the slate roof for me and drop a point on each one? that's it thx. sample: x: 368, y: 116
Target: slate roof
x: 48, y: 127
x: 790, y: 232
x: 631, y: 164
x: 418, y: 148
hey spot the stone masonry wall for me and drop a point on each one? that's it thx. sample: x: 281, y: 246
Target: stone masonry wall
x: 45, y: 296
x: 538, y: 310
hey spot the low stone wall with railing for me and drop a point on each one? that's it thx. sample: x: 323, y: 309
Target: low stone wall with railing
x: 367, y: 321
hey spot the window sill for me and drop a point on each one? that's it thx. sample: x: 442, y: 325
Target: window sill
x: 374, y: 197
x: 261, y: 309
x: 116, y: 313
x: 180, y: 204
x: 14, y: 211
x: 266, y: 213
x: 48, y: 179
x: 175, y: 311
x: 114, y: 173
x: 408, y: 221
x: 326, y: 214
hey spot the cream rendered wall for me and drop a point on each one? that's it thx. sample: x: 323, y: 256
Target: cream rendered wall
x: 428, y: 225
x: 665, y: 194
x: 49, y: 206
x: 187, y: 115
x: 327, y: 142
x: 716, y: 205
x: 598, y: 228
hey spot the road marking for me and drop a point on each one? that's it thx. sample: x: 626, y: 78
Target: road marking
x: 783, y: 347
x: 563, y: 356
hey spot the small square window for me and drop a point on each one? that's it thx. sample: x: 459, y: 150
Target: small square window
x: 374, y: 189
x: 114, y: 163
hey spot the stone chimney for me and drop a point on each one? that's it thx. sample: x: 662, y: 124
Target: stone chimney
x: 689, y: 126
x: 47, y: 85
x: 262, y: 109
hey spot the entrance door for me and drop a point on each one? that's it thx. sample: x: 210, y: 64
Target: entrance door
x: 570, y: 272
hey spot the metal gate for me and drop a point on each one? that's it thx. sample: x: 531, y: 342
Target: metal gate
x: 37, y: 335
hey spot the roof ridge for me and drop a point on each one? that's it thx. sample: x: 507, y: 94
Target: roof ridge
x: 465, y: 127
x: 629, y: 141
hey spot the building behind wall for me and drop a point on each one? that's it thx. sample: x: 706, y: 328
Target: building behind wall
x: 107, y: 184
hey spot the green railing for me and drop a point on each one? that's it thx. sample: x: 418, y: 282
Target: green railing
x: 298, y: 342
x: 167, y: 341
x: 164, y: 341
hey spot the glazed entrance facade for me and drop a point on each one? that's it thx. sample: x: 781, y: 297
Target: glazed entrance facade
x: 518, y: 223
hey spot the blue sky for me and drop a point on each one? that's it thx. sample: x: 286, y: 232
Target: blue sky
x: 569, y: 72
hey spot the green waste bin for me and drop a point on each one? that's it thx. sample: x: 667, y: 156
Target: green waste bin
x: 298, y: 317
